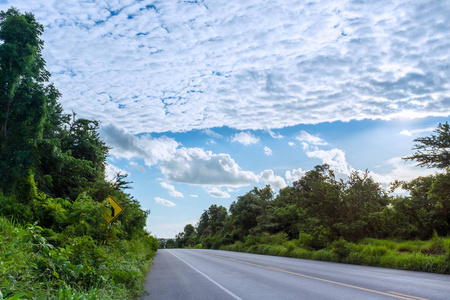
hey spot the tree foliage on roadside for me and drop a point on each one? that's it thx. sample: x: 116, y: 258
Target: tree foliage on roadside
x: 45, y: 153
x: 433, y: 151
x: 318, y: 209
x: 52, y: 175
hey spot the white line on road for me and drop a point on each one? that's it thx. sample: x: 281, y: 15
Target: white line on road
x: 207, y: 277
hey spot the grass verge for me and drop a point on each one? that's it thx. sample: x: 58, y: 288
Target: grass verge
x: 428, y: 256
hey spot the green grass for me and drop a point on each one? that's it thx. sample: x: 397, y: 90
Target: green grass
x: 428, y: 256
x: 79, y: 268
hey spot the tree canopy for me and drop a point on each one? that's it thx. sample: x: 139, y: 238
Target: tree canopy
x: 51, y: 162
x: 433, y: 151
x: 319, y: 209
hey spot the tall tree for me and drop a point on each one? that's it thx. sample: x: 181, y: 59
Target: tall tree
x: 433, y: 151
x: 320, y: 196
x: 23, y: 95
x: 212, y: 220
x: 20, y: 55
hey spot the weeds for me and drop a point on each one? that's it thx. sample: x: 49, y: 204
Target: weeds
x: 80, y: 269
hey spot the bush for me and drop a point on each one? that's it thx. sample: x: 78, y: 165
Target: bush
x: 81, y: 268
x: 301, y: 253
x: 212, y: 242
x: 324, y: 255
x: 305, y: 240
x: 341, y: 249
x: 276, y: 250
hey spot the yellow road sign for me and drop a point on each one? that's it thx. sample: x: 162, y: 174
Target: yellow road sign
x: 114, y: 210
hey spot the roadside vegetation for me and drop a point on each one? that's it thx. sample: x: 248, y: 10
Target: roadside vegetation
x: 350, y: 220
x: 54, y: 240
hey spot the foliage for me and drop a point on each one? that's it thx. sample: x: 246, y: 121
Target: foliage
x: 433, y: 151
x: 370, y: 252
x: 54, y: 241
x: 79, y: 268
x: 320, y: 217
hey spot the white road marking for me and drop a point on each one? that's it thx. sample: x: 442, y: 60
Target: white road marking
x: 207, y: 277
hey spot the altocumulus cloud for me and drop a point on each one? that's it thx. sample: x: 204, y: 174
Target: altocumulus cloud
x: 181, y: 65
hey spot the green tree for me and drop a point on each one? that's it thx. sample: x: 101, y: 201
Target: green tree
x: 320, y: 195
x: 186, y: 238
x: 244, y: 214
x: 422, y: 210
x: 212, y: 220
x: 440, y: 196
x: 433, y: 151
x: 23, y: 95
x: 363, y: 205
x: 72, y: 157
x: 286, y: 214
x: 203, y: 223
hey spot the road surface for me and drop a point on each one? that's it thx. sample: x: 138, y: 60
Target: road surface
x: 215, y: 275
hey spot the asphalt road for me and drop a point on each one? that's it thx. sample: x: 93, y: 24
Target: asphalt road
x: 214, y: 275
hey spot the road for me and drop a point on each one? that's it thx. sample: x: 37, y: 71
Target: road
x: 215, y: 275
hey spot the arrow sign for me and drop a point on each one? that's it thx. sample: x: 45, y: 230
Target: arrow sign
x: 114, y: 209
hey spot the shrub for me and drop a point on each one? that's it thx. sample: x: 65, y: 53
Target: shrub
x: 301, y: 253
x: 305, y: 240
x: 324, y: 255
x: 341, y: 249
x: 212, y: 242
x: 276, y: 250
x: 437, y: 245
x: 81, y: 268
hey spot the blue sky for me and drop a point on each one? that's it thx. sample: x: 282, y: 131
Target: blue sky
x: 203, y: 100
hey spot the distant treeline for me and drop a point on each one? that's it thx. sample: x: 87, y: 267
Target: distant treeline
x: 322, y: 209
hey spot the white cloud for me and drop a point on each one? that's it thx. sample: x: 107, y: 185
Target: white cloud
x: 218, y: 193
x: 292, y: 144
x: 245, y: 138
x: 275, y: 181
x: 403, y: 170
x: 400, y: 170
x: 334, y: 157
x: 183, y: 65
x: 126, y: 145
x: 164, y: 202
x: 294, y: 175
x: 415, y: 131
x: 183, y: 165
x: 196, y: 166
x: 307, y: 138
x: 172, y: 191
x: 267, y: 151
x: 193, y: 196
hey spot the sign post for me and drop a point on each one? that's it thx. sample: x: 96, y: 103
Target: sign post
x: 114, y: 209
